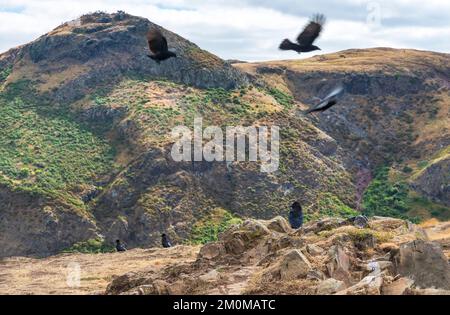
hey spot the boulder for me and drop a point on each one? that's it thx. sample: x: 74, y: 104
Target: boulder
x: 314, y: 250
x: 388, y: 247
x: 211, y: 250
x: 330, y: 286
x: 212, y: 275
x: 253, y: 229
x: 398, y: 287
x: 294, y: 265
x: 126, y: 282
x: 339, y: 265
x: 315, y: 275
x: 279, y: 224
x: 237, y: 240
x: 235, y: 245
x: 370, y: 285
x: 291, y: 266
x: 425, y: 263
x: 324, y: 225
x: 361, y: 222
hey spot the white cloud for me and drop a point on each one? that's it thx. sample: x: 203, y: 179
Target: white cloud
x: 250, y: 29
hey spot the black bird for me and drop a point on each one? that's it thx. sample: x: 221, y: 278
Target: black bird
x: 120, y: 247
x: 306, y: 38
x: 296, y: 215
x: 165, y: 241
x: 330, y: 100
x: 157, y: 44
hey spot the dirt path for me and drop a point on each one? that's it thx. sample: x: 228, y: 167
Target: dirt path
x: 59, y: 274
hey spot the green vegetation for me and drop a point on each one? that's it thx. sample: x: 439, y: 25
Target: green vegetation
x: 329, y: 205
x: 384, y: 198
x: 423, y: 207
x: 43, y: 150
x: 218, y: 96
x: 4, y: 73
x: 285, y: 100
x: 208, y: 229
x: 92, y: 246
x: 407, y: 169
x: 364, y: 234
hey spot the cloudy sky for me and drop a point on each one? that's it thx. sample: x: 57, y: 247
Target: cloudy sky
x: 251, y: 29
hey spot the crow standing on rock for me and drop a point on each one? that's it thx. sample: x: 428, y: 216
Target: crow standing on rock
x: 330, y: 100
x: 157, y: 44
x: 306, y: 39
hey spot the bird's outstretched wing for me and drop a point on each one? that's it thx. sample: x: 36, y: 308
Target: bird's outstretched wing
x: 329, y: 100
x: 157, y: 43
x: 336, y: 92
x: 312, y: 30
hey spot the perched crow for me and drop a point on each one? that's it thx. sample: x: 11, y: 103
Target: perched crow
x: 165, y: 241
x: 158, y: 46
x: 120, y: 247
x: 296, y: 215
x: 306, y: 39
x: 330, y: 100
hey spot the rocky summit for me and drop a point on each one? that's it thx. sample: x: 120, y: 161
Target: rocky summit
x: 86, y: 121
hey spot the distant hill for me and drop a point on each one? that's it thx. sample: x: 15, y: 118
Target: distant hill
x: 87, y: 119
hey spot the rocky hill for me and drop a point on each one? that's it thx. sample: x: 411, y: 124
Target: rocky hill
x: 86, y: 152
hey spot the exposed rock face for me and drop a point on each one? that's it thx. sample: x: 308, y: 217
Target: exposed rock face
x: 425, y: 263
x: 363, y: 77
x: 25, y: 231
x: 434, y: 181
x: 339, y: 268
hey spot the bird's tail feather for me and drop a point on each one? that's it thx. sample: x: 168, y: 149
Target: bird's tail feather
x: 286, y: 44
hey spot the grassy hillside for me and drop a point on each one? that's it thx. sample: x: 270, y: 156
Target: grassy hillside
x: 46, y: 151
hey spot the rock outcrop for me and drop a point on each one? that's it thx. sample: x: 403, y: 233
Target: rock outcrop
x: 254, y: 257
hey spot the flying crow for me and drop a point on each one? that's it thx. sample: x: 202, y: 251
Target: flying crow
x: 158, y: 46
x: 306, y: 39
x: 330, y: 100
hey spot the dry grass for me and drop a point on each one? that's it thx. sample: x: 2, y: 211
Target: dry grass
x: 49, y: 276
x: 368, y: 60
